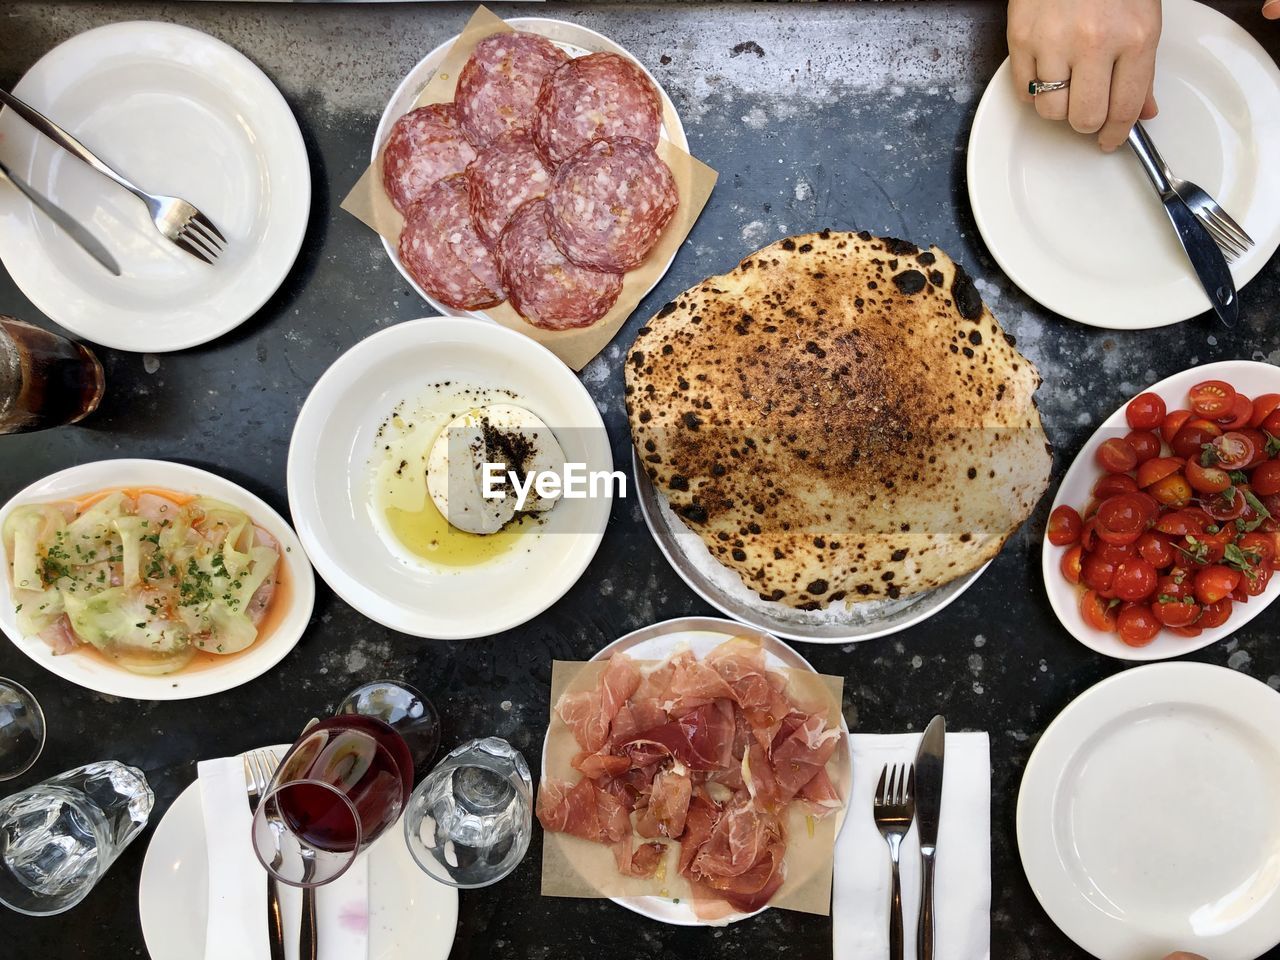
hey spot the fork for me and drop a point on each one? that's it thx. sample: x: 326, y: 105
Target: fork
x: 1227, y: 234
x: 894, y: 807
x: 178, y: 221
x: 259, y: 765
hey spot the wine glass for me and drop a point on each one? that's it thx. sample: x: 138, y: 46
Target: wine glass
x: 336, y: 791
x: 405, y: 710
x: 22, y: 729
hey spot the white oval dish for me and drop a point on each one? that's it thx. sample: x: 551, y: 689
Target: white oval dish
x: 96, y: 674
x: 328, y: 479
x: 701, y: 635
x: 180, y: 113
x: 1146, y: 815
x: 1251, y: 377
x: 574, y: 40
x: 411, y: 916
x: 1082, y: 232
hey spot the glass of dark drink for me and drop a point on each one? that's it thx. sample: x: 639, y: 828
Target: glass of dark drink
x: 45, y: 380
x: 405, y: 710
x: 336, y: 791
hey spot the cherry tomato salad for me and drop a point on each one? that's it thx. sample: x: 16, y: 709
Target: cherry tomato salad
x: 1184, y: 522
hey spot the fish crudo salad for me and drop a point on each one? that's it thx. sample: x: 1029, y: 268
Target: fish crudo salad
x: 149, y: 579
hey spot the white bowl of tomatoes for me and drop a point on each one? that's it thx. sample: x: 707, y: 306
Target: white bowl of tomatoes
x: 1165, y: 531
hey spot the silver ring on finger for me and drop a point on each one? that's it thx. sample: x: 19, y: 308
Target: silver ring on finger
x: 1037, y: 87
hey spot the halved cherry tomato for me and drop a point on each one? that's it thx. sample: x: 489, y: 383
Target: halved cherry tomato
x: 1261, y: 545
x: 1254, y: 580
x: 1157, y: 469
x: 1271, y: 425
x: 1176, y: 585
x: 1097, y: 612
x: 1234, y: 450
x: 1121, y: 519
x: 1215, y: 614
x: 1135, y: 579
x: 1145, y: 411
x: 1145, y: 444
x: 1190, y: 440
x: 1176, y: 613
x: 1156, y: 550
x: 1064, y: 526
x: 1116, y: 455
x: 1239, y: 415
x: 1192, y: 631
x: 1136, y: 624
x: 1264, y: 481
x: 1263, y: 406
x: 1226, y: 506
x: 1259, y: 445
x: 1174, y: 421
x: 1210, y: 547
x: 1172, y: 491
x: 1115, y: 552
x: 1097, y: 573
x: 1206, y: 479
x: 1088, y: 535
x: 1109, y: 484
x: 1212, y: 398
x: 1178, y: 523
x: 1214, y: 583
x: 1070, y: 564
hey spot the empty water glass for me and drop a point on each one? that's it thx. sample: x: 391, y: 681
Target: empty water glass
x: 469, y: 822
x: 21, y: 729
x: 59, y: 837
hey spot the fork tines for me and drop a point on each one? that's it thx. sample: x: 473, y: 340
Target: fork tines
x: 200, y: 238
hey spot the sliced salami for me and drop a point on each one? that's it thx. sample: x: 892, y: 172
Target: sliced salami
x: 498, y: 85
x: 609, y: 204
x: 507, y: 174
x: 444, y: 253
x: 546, y: 288
x: 595, y: 97
x: 426, y: 145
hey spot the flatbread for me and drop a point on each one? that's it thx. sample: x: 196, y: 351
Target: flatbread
x: 840, y: 417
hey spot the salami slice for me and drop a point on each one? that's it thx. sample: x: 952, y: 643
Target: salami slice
x: 506, y: 174
x: 609, y: 204
x: 442, y: 251
x: 595, y: 97
x: 426, y: 145
x: 545, y: 288
x: 498, y: 85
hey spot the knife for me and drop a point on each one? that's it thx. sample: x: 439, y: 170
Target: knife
x: 87, y: 241
x: 929, y: 760
x: 1205, y: 256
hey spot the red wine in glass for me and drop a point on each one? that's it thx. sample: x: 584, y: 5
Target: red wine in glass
x: 359, y: 757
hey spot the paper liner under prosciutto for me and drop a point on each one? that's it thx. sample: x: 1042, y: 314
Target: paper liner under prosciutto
x: 708, y: 754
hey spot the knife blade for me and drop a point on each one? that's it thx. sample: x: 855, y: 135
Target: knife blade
x: 1206, y: 259
x: 87, y: 241
x: 930, y: 756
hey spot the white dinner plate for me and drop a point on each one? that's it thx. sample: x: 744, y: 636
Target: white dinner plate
x: 1250, y: 377
x: 575, y: 41
x: 1147, y: 815
x: 330, y: 479
x: 97, y: 674
x: 1083, y: 232
x: 179, y: 113
x: 411, y: 916
x: 701, y: 635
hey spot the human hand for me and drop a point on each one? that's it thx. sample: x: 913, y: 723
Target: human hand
x: 1107, y: 48
x: 1271, y: 9
x: 1180, y: 955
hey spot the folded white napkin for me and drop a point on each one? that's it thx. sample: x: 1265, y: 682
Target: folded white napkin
x: 962, y: 882
x: 237, y: 927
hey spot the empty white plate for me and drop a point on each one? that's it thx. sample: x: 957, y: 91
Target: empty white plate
x: 1147, y: 815
x: 179, y: 113
x: 1083, y: 232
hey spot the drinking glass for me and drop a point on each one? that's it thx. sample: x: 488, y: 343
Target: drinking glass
x: 405, y: 710
x: 469, y: 822
x: 21, y: 729
x: 343, y: 783
x: 59, y: 837
x: 45, y: 380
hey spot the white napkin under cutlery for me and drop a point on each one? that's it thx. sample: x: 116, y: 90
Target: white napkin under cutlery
x: 237, y: 927
x: 962, y: 883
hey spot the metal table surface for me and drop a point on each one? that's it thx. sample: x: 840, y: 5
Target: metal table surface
x: 849, y: 116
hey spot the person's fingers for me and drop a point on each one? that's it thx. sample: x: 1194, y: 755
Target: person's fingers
x: 1052, y: 106
x: 1150, y: 108
x: 1271, y: 9
x: 1181, y: 955
x: 1090, y: 95
x: 1023, y: 67
x: 1130, y: 90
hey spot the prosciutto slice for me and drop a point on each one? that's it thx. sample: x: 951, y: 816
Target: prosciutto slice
x: 582, y: 810
x: 589, y: 714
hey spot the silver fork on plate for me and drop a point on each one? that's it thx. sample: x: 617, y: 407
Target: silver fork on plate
x: 894, y: 807
x: 1227, y: 234
x: 177, y: 220
x: 259, y: 765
